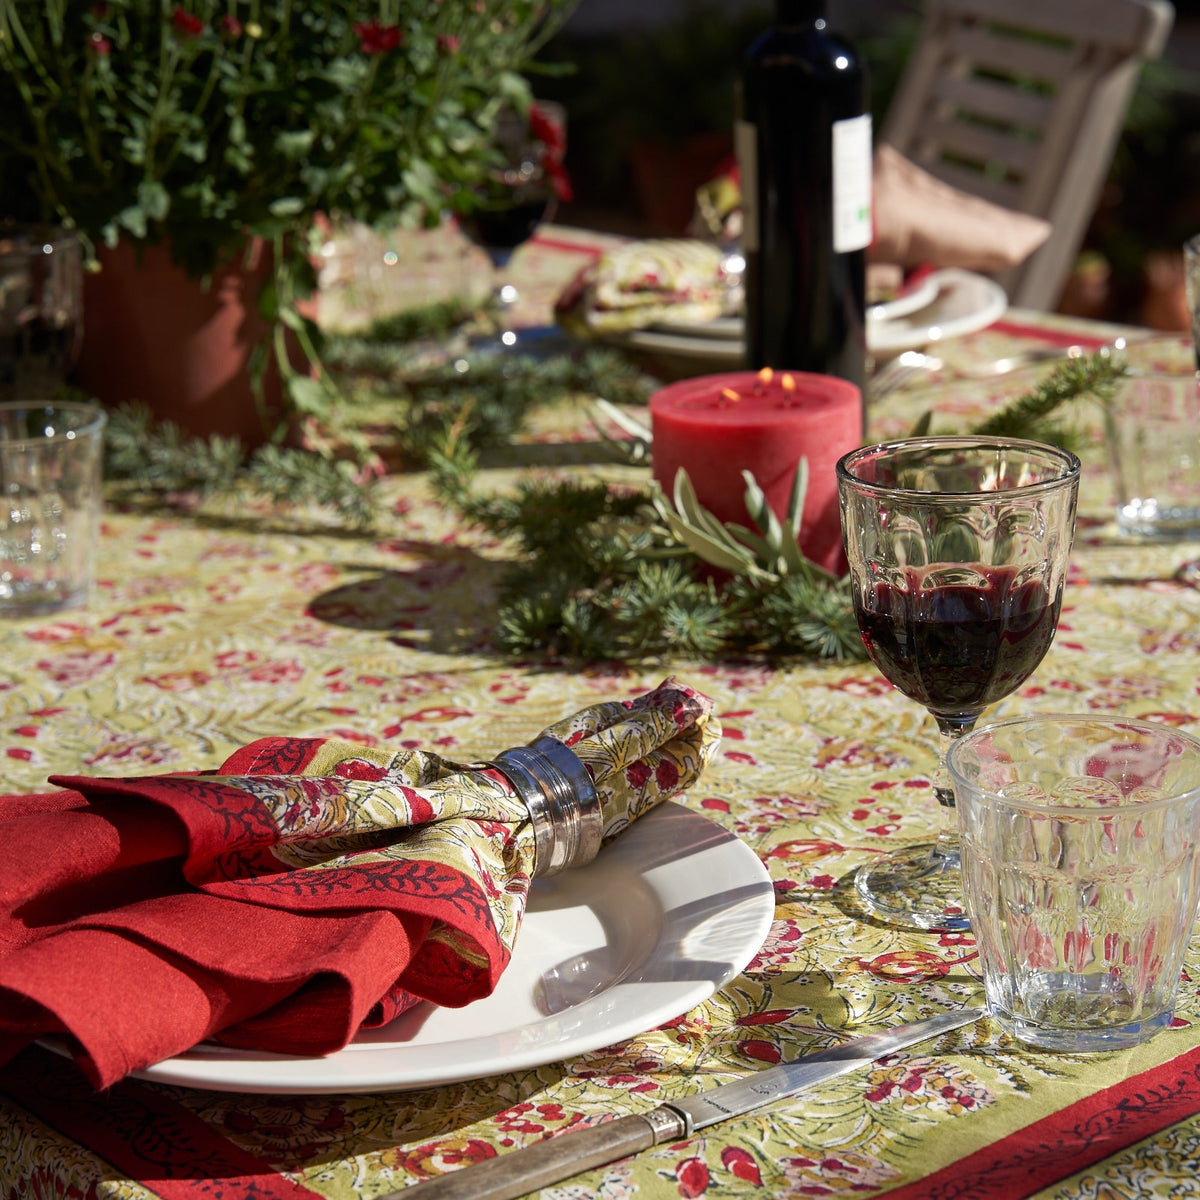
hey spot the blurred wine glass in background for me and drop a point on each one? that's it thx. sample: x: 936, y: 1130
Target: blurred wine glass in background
x: 520, y: 193
x: 41, y: 310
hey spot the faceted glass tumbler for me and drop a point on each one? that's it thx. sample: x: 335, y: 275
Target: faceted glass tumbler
x: 51, y: 458
x: 1080, y: 850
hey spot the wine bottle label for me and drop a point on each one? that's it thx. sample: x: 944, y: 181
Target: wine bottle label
x: 851, y: 184
x: 745, y: 145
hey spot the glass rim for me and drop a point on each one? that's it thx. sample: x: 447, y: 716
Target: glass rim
x: 95, y: 419
x: 1072, y: 467
x: 1072, y: 810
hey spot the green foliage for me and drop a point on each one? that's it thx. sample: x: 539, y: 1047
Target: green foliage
x: 150, y: 462
x: 1029, y: 416
x: 597, y: 578
x: 597, y: 571
x: 203, y: 122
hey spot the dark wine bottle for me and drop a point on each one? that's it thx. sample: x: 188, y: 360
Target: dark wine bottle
x: 804, y: 157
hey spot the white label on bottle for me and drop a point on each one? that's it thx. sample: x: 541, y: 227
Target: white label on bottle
x: 745, y: 145
x: 852, y: 184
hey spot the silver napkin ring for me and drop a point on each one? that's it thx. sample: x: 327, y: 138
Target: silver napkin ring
x: 564, y: 808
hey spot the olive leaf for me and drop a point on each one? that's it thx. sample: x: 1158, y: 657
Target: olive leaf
x: 771, y: 554
x: 636, y: 450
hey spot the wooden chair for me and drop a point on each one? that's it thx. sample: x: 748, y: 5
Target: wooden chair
x: 1022, y: 102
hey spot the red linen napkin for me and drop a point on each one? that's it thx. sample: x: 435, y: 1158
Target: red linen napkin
x: 304, y: 890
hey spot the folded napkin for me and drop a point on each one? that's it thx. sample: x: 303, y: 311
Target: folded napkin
x: 919, y: 220
x: 306, y: 889
x: 638, y: 284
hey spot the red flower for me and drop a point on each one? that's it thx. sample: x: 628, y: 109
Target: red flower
x: 99, y: 11
x: 186, y: 24
x: 692, y: 1178
x: 549, y: 131
x: 447, y: 43
x: 377, y: 39
x: 666, y: 775
x: 741, y: 1164
x: 637, y: 774
x: 231, y: 26
x: 100, y: 46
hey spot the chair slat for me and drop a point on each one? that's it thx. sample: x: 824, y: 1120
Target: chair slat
x: 1127, y: 28
x: 968, y: 50
x: 1014, y: 156
x: 988, y: 99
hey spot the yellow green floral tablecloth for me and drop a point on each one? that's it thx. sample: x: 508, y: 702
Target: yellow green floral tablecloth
x: 205, y: 635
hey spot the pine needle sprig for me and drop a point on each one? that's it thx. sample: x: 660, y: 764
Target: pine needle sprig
x: 388, y: 342
x: 807, y: 616
x: 292, y: 476
x: 1094, y: 375
x: 1033, y: 415
x: 161, y: 463
x: 160, y: 457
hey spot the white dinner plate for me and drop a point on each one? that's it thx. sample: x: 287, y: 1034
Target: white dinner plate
x: 965, y: 302
x: 962, y: 303
x: 727, y: 328
x: 916, y: 295
x: 666, y: 915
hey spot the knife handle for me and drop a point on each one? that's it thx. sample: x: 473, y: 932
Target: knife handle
x: 520, y: 1172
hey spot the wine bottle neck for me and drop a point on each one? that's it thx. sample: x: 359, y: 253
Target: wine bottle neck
x: 798, y: 12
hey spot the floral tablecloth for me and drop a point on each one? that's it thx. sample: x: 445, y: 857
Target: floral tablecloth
x: 204, y: 635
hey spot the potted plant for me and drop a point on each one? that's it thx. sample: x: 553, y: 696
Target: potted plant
x: 203, y: 142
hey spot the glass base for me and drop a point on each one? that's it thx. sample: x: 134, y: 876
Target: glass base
x: 39, y: 598
x: 919, y: 887
x: 1076, y: 1014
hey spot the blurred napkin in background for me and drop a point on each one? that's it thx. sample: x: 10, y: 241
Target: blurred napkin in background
x: 640, y: 283
x: 306, y: 889
x: 921, y: 221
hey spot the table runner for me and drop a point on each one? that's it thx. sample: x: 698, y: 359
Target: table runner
x: 204, y: 637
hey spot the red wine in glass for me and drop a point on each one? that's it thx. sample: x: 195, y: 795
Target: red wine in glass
x: 958, y: 647
x: 958, y: 550
x: 502, y: 230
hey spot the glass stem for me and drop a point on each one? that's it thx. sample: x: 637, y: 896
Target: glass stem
x: 950, y: 729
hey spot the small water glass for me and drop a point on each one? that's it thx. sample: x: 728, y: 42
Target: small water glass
x: 50, y: 502
x: 1153, y: 438
x: 1080, y: 852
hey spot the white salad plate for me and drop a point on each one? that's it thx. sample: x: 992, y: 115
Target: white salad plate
x: 666, y: 915
x: 960, y: 302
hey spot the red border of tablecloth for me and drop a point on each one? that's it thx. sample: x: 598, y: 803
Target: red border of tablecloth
x: 151, y: 1138
x: 1068, y: 1141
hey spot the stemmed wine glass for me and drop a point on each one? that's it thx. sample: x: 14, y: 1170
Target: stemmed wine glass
x: 41, y: 310
x: 520, y: 193
x: 958, y: 551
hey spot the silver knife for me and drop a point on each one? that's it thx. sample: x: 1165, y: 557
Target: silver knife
x: 523, y: 1171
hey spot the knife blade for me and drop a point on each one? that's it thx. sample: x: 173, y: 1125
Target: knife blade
x: 549, y: 1161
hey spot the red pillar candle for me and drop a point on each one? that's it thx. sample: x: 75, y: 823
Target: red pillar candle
x: 717, y: 426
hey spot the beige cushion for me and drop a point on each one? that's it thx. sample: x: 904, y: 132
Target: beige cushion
x: 920, y: 220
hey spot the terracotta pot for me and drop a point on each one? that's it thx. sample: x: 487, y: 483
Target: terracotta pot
x: 154, y: 334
